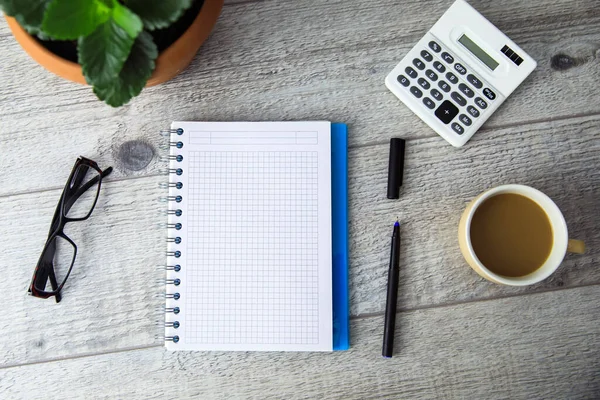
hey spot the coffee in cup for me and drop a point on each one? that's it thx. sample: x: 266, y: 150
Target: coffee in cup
x: 514, y: 235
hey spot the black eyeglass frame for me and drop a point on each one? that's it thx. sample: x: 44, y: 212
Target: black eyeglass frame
x: 73, y: 189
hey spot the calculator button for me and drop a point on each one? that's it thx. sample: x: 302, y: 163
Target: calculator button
x: 465, y: 120
x: 460, y: 69
x: 473, y: 111
x: 434, y: 46
x: 489, y: 94
x: 448, y: 58
x: 429, y: 103
x: 426, y: 55
x: 415, y: 90
x: 446, y: 111
x: 459, y: 99
x: 411, y: 72
x: 473, y: 80
x: 444, y: 86
x: 403, y: 80
x: 481, y: 103
x: 419, y: 64
x: 452, y: 78
x: 423, y: 83
x: 458, y: 129
x: 431, y: 75
x: 466, y: 90
x: 436, y: 94
x: 439, y: 66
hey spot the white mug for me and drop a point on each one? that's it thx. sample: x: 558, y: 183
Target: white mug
x: 561, y: 243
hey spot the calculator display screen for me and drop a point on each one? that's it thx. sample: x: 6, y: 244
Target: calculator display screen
x: 478, y: 52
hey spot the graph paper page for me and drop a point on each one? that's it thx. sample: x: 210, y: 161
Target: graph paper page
x: 256, y: 236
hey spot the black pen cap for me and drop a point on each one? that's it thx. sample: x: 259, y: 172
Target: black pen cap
x: 395, y: 168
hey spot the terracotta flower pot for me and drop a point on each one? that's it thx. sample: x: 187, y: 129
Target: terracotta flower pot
x: 169, y: 63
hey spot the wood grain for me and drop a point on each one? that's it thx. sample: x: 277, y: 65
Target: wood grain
x: 313, y: 68
x: 560, y: 158
x: 530, y: 347
x: 110, y: 300
x: 114, y: 277
x: 459, y: 336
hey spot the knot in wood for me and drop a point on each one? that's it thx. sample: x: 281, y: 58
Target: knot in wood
x: 135, y: 155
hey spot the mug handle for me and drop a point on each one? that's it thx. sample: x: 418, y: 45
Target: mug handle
x: 576, y: 246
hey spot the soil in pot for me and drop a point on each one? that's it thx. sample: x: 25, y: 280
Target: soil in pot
x: 163, y: 38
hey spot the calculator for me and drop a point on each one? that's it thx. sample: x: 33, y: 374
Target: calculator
x: 459, y: 73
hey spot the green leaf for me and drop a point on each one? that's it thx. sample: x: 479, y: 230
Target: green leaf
x: 157, y: 14
x: 29, y: 13
x: 70, y: 19
x: 127, y: 20
x: 133, y: 76
x: 102, y: 54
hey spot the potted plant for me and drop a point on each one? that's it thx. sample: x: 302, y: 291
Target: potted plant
x: 117, y: 46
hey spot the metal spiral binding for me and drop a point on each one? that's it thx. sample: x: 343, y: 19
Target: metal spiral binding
x: 167, y: 171
x: 165, y: 199
x: 174, y: 296
x: 165, y: 310
x: 173, y: 339
x: 173, y: 277
x: 174, y: 281
x: 176, y: 226
x: 175, y: 254
x: 166, y: 185
x: 169, y: 132
x: 176, y: 212
x: 167, y: 146
x: 175, y: 267
x: 168, y: 324
x: 171, y: 157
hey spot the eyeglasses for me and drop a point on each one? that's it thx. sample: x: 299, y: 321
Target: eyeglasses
x: 76, y: 204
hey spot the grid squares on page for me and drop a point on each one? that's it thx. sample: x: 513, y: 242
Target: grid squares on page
x: 253, y: 248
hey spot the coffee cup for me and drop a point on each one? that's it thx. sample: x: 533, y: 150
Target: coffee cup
x: 560, y: 243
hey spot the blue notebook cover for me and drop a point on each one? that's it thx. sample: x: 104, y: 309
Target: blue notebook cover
x: 339, y: 211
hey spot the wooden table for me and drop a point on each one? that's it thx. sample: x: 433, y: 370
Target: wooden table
x: 458, y: 336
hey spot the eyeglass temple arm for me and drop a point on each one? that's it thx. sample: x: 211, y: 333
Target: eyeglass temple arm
x: 80, y: 173
x: 76, y: 195
x: 85, y: 187
x: 54, y: 283
x: 47, y: 272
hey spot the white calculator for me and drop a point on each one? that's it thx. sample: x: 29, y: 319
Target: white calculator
x: 459, y: 73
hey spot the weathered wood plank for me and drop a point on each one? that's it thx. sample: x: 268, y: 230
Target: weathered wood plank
x: 559, y: 158
x: 114, y: 278
x: 318, y: 60
x: 112, y: 288
x: 529, y: 347
x: 313, y: 68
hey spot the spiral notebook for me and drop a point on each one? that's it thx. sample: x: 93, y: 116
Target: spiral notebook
x: 257, y: 253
